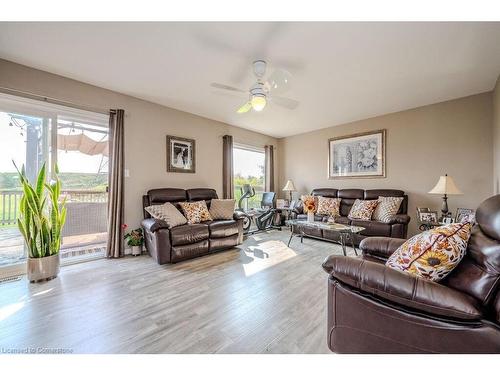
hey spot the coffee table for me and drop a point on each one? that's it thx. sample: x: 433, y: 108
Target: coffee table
x: 346, y: 232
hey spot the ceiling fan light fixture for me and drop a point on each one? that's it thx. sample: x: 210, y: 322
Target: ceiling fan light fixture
x: 258, y: 102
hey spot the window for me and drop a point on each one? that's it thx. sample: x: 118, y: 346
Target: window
x: 248, y: 168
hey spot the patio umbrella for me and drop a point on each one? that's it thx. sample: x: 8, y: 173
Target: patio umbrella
x: 82, y: 143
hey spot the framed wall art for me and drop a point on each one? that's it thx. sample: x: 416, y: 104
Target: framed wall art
x: 359, y: 155
x: 181, y: 154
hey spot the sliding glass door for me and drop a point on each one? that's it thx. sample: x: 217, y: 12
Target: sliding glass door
x: 24, y: 141
x: 32, y: 133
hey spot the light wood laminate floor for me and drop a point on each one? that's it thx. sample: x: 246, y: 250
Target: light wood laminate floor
x: 262, y: 297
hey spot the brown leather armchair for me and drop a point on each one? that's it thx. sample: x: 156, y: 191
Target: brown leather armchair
x: 375, y: 309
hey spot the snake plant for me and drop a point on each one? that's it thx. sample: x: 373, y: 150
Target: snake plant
x: 42, y: 216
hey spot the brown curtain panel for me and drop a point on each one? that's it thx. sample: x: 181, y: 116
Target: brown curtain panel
x: 227, y: 167
x: 269, y: 178
x: 115, y: 195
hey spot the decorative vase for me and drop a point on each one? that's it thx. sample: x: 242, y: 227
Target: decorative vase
x: 136, y: 250
x: 42, y: 269
x: 310, y: 216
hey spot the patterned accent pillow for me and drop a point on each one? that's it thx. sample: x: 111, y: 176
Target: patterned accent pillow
x: 433, y: 254
x: 309, y: 202
x: 195, y: 212
x: 386, y: 208
x: 362, y: 210
x: 168, y: 213
x: 222, y: 209
x: 328, y: 206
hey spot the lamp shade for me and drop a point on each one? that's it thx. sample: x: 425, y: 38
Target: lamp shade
x: 289, y: 186
x: 445, y: 185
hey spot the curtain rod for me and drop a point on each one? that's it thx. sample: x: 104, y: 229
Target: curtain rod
x: 47, y: 99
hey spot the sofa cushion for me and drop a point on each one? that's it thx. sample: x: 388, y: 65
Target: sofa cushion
x: 188, y: 234
x: 432, y: 254
x: 362, y: 210
x: 387, y: 208
x: 373, y: 228
x: 222, y: 209
x: 343, y: 220
x: 195, y: 212
x: 223, y: 228
x: 328, y: 206
x: 189, y: 251
x: 168, y: 213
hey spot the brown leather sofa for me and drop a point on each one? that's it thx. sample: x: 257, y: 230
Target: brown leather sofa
x: 375, y: 309
x: 397, y: 228
x: 189, y: 240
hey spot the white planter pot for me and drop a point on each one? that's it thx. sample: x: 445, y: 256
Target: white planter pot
x: 136, y: 250
x: 310, y: 216
x: 43, y: 269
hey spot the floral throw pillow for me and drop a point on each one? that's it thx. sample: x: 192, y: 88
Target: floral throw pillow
x: 432, y: 254
x: 329, y: 206
x: 309, y: 202
x: 362, y: 210
x: 195, y: 212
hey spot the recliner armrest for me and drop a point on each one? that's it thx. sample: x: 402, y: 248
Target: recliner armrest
x: 402, y: 288
x: 380, y: 247
x: 400, y: 219
x: 153, y: 225
x: 238, y: 215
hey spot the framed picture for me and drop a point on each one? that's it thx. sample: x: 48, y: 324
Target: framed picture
x: 465, y: 214
x: 425, y: 215
x: 180, y: 155
x: 359, y: 155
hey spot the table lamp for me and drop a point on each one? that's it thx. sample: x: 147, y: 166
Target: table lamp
x: 290, y: 187
x: 445, y: 186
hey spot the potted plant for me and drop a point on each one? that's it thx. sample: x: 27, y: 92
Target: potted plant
x: 41, y: 220
x: 135, y: 239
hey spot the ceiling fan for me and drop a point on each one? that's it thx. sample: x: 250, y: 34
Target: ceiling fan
x: 263, y: 91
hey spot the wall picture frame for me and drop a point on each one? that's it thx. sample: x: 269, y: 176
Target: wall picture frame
x: 360, y: 155
x: 181, y: 154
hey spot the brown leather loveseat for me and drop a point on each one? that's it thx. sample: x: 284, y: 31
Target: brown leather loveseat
x: 397, y: 228
x: 376, y: 309
x: 190, y: 240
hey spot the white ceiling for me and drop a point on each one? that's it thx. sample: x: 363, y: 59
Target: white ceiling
x: 342, y: 72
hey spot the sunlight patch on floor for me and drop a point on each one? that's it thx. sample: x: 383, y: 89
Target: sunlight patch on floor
x: 266, y: 254
x: 9, y: 310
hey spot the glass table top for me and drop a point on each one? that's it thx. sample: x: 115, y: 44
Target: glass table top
x: 326, y: 225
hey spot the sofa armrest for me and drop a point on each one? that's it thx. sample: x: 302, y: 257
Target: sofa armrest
x: 400, y: 219
x: 402, y: 288
x: 153, y: 225
x: 380, y: 247
x: 239, y: 215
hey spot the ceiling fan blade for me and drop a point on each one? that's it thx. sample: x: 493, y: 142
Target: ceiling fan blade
x: 245, y: 108
x: 225, y: 87
x: 285, y: 102
x: 279, y: 81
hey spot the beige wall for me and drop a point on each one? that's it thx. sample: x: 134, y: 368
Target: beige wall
x: 453, y: 137
x: 496, y: 137
x: 146, y: 125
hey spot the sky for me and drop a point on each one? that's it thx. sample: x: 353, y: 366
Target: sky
x: 13, y: 146
x: 246, y: 163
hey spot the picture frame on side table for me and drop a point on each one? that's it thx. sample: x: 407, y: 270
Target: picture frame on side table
x: 181, y: 154
x: 360, y: 155
x: 467, y: 214
x: 425, y: 215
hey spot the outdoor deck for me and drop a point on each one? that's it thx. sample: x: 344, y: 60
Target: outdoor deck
x: 72, y: 249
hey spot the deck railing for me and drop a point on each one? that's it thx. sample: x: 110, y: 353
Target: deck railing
x: 9, y: 202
